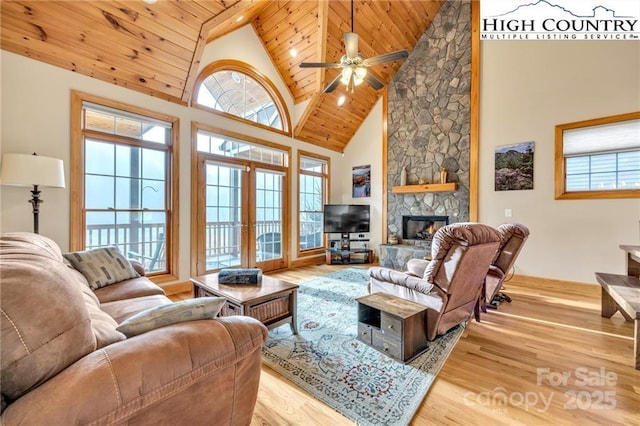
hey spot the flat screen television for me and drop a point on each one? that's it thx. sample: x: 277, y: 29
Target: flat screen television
x: 346, y: 218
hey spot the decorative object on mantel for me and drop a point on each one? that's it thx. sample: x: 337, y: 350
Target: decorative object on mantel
x: 36, y: 170
x: 403, y: 176
x: 240, y: 276
x: 443, y: 175
x: 514, y: 167
x: 421, y: 181
x: 393, y: 239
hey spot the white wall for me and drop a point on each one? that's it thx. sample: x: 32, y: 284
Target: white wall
x: 244, y: 45
x: 526, y: 89
x: 364, y: 149
x: 35, y: 108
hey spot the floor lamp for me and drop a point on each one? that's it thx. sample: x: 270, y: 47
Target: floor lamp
x: 27, y: 170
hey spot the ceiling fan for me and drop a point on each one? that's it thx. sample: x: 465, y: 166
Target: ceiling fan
x: 354, y: 65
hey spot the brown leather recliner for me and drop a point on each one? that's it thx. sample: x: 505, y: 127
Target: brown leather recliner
x: 512, y: 239
x: 452, y: 281
x: 64, y: 362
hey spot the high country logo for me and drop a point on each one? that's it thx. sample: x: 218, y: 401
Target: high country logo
x: 543, y: 20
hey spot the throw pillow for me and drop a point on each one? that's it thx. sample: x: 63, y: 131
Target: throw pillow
x: 187, y: 310
x: 102, y: 266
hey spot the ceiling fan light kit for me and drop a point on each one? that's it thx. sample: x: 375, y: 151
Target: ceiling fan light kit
x: 354, y: 65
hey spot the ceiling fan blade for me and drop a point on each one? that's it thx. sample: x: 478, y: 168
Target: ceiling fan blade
x: 387, y: 57
x: 334, y: 83
x: 319, y: 65
x: 351, y: 44
x: 373, y: 81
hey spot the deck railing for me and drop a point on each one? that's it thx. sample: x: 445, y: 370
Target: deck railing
x: 223, y: 239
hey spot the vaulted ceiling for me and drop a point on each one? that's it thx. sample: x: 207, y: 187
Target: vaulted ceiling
x: 156, y: 48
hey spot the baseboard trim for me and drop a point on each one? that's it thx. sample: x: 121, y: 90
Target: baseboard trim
x: 176, y: 288
x: 308, y: 261
x: 531, y: 280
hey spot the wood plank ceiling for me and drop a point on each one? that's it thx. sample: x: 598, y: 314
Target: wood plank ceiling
x: 156, y: 48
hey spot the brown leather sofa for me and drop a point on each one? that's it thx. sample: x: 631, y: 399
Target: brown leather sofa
x: 64, y: 362
x: 452, y: 281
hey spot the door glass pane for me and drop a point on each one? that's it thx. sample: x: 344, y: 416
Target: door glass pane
x: 268, y: 215
x: 223, y: 230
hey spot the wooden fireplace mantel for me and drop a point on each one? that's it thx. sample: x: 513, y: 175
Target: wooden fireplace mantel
x: 427, y: 187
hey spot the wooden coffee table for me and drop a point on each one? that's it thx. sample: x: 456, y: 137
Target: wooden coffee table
x: 273, y: 301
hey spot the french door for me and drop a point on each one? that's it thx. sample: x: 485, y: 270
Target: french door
x: 242, y: 220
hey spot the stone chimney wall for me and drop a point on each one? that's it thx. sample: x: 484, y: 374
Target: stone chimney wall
x: 429, y: 119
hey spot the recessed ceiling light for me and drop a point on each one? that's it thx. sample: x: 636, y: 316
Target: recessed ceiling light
x: 149, y: 1
x: 239, y: 18
x: 341, y: 100
x: 293, y: 53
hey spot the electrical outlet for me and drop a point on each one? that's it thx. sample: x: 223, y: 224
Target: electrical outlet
x: 507, y: 213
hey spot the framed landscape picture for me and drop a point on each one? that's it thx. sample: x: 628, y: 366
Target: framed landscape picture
x: 361, y: 178
x: 514, y: 167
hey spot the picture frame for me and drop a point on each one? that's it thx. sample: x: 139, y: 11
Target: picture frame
x: 361, y: 181
x: 514, y: 167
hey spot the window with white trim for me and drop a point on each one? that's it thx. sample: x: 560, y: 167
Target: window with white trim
x: 599, y: 158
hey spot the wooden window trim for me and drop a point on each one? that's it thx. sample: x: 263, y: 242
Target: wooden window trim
x: 264, y: 81
x: 560, y: 163
x: 77, y: 219
x: 320, y: 250
x: 198, y: 183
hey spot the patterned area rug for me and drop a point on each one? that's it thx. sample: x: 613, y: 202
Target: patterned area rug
x: 326, y: 360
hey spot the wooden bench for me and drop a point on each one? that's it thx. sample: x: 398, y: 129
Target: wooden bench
x: 622, y: 293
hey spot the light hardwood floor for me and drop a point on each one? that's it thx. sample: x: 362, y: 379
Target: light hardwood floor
x: 546, y: 358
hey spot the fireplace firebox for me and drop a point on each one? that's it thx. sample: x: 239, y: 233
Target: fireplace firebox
x: 422, y: 227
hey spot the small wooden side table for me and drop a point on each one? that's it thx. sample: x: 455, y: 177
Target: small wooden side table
x: 273, y: 301
x: 622, y: 293
x: 392, y: 325
x: 632, y: 260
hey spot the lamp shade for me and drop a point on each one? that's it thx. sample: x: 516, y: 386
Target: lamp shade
x: 27, y: 170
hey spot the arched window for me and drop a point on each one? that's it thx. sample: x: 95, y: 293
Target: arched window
x: 237, y: 90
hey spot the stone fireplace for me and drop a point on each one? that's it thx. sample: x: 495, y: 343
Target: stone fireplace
x: 429, y: 127
x: 422, y: 227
